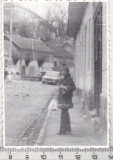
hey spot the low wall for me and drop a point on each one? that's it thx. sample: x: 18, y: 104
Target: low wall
x: 87, y: 103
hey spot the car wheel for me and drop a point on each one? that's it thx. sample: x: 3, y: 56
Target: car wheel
x: 44, y: 82
x: 39, y: 79
x: 57, y: 83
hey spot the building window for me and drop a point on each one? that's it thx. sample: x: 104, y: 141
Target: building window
x: 15, y: 60
x: 27, y: 62
x: 55, y: 64
x: 6, y: 63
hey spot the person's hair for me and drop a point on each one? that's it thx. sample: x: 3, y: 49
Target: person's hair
x: 65, y: 69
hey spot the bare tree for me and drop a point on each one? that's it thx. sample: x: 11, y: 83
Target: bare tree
x: 57, y: 15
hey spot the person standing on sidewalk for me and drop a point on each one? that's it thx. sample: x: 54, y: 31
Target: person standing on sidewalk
x: 66, y: 88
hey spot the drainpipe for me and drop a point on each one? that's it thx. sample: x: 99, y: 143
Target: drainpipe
x: 85, y: 45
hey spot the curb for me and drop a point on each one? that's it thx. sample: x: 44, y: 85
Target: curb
x: 43, y: 129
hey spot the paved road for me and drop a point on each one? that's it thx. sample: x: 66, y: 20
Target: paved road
x: 24, y: 103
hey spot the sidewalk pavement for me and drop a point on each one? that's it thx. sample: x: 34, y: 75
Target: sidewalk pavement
x: 83, y: 133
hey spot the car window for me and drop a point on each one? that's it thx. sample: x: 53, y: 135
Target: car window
x: 56, y: 74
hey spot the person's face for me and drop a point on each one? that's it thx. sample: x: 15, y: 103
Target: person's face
x: 63, y: 73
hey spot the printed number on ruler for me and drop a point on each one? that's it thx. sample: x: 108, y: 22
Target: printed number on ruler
x: 62, y: 157
x: 57, y: 155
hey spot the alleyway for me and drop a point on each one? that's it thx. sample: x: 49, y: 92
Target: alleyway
x: 83, y: 133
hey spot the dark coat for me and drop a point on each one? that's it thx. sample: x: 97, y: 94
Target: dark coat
x: 65, y: 95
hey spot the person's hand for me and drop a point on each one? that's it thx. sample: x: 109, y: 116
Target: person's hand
x: 63, y: 87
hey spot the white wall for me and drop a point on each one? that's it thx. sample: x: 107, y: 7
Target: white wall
x: 84, y: 52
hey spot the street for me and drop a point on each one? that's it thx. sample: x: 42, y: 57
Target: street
x: 24, y: 110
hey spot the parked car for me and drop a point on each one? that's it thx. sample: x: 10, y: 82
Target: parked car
x: 32, y: 78
x: 51, y: 77
x: 47, y: 66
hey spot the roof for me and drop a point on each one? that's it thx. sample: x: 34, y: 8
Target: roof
x: 75, y: 16
x: 7, y: 48
x: 68, y: 44
x: 48, y: 25
x: 28, y: 43
x: 59, y: 51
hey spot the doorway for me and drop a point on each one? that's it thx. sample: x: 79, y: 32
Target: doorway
x: 97, y: 57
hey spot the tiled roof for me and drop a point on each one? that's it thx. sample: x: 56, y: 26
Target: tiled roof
x: 60, y: 51
x: 7, y: 48
x: 68, y: 44
x: 28, y: 43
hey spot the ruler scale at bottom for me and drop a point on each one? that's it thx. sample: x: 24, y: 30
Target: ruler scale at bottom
x: 56, y: 154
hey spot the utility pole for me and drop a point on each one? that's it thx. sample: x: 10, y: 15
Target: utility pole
x: 10, y: 50
x: 10, y: 40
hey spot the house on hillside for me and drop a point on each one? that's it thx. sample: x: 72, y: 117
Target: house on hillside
x: 88, y: 25
x: 69, y: 47
x: 61, y: 56
x: 19, y: 17
x: 27, y: 53
x: 47, y: 31
x: 21, y: 11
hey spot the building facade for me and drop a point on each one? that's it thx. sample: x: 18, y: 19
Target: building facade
x: 90, y: 57
x: 26, y: 53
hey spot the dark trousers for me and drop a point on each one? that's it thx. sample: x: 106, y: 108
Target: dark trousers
x: 65, y: 121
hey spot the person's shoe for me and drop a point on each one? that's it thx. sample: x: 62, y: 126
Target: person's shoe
x: 68, y: 132
x: 61, y: 133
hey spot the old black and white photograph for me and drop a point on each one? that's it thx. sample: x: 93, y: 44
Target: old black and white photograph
x: 55, y: 73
